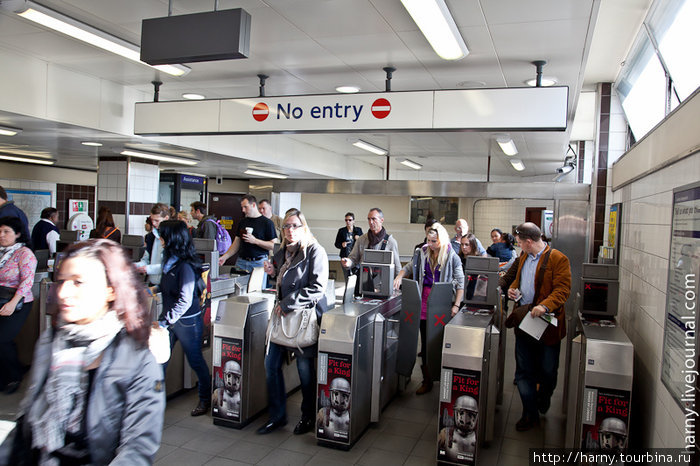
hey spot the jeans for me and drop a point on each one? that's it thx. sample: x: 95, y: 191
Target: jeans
x: 188, y: 330
x: 535, y: 363
x: 276, y: 392
x: 249, y: 265
x: 10, y: 366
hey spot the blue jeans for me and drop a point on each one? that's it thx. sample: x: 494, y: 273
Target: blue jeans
x: 276, y: 392
x: 248, y: 265
x: 188, y: 330
x: 535, y: 363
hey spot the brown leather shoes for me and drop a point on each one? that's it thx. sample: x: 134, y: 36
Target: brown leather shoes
x: 202, y: 408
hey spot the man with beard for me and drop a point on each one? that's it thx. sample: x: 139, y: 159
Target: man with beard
x: 460, y: 440
x: 333, y: 422
x: 228, y: 398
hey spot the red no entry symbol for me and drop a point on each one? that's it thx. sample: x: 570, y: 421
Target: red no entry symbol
x: 439, y: 320
x: 381, y: 108
x: 588, y: 286
x: 408, y: 317
x: 260, y: 111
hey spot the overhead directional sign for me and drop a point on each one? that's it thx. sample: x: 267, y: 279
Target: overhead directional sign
x: 515, y: 109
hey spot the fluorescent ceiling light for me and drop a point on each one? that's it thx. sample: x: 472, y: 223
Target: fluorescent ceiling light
x: 370, y: 147
x: 347, y: 89
x: 507, y: 144
x: 91, y: 143
x: 159, y: 157
x: 88, y: 34
x: 9, y: 131
x: 517, y: 164
x: 191, y: 96
x: 411, y: 164
x: 265, y: 174
x: 434, y: 20
x: 15, y: 158
x: 546, y: 81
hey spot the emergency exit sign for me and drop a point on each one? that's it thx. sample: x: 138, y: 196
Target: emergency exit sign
x: 76, y: 206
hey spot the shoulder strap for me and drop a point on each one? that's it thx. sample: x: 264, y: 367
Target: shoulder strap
x: 385, y: 241
x: 540, y: 276
x: 110, y: 233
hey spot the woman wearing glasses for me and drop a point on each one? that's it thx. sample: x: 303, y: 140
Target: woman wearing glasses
x: 435, y: 262
x: 300, y: 269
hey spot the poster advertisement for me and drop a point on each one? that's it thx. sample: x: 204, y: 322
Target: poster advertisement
x: 459, y: 416
x: 334, y: 397
x: 679, y: 364
x: 605, y: 418
x: 227, y: 362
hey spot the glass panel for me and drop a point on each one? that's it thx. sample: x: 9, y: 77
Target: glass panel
x: 442, y: 209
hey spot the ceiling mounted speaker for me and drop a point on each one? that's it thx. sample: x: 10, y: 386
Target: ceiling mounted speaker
x: 209, y: 36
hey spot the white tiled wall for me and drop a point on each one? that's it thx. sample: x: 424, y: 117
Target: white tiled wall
x: 616, y: 147
x: 646, y: 227
x: 143, y: 182
x: 501, y: 213
x: 111, y: 181
x: 137, y: 224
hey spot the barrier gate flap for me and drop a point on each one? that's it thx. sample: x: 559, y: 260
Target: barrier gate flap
x: 438, y: 315
x: 408, y: 327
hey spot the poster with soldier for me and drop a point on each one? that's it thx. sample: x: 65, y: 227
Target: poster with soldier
x: 459, y: 416
x: 605, y: 420
x: 334, y: 398
x: 227, y: 374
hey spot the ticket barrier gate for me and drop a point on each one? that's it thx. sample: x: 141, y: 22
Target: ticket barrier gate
x: 488, y: 297
x: 600, y: 389
x: 358, y: 352
x: 469, y: 370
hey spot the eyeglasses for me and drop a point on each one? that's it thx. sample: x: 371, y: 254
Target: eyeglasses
x: 349, y: 219
x: 291, y: 226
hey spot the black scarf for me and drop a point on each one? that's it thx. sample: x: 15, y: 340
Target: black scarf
x: 375, y: 239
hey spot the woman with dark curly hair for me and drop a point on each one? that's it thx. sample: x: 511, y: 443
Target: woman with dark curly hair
x: 17, y: 267
x: 181, y: 314
x: 96, y: 394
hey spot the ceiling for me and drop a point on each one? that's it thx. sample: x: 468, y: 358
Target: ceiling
x: 313, y: 46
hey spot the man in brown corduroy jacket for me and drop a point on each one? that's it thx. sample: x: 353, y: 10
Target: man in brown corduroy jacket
x: 543, y: 278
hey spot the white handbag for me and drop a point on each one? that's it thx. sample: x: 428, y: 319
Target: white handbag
x: 298, y: 328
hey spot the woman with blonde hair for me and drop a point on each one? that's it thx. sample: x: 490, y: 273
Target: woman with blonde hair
x: 300, y: 271
x: 434, y: 262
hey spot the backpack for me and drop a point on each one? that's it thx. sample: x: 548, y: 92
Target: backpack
x: 223, y: 238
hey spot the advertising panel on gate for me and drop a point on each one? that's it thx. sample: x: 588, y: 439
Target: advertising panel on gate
x: 334, y: 397
x: 227, y: 374
x: 605, y: 418
x: 459, y: 416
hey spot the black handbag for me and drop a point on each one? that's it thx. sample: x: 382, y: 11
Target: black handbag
x: 6, y: 294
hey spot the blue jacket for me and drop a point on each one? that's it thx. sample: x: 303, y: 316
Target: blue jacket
x: 9, y: 209
x: 39, y: 232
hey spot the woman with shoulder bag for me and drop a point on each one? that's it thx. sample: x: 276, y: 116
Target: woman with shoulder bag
x: 17, y: 267
x: 300, y: 268
x: 96, y: 394
x: 181, y: 314
x: 105, y: 227
x: 434, y: 262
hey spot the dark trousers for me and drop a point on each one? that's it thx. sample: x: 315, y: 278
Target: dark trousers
x: 276, y: 392
x: 423, y: 342
x: 10, y: 367
x: 535, y: 363
x: 188, y: 331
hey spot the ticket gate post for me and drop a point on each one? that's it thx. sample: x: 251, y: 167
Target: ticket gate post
x: 467, y: 402
x: 238, y: 360
x: 600, y: 389
x: 358, y: 342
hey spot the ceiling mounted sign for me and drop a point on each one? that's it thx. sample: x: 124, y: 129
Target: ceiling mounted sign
x: 516, y: 109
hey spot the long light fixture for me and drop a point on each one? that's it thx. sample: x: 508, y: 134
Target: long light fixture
x: 507, y: 144
x: 411, y: 164
x: 9, y: 131
x: 254, y: 172
x: 90, y: 35
x: 159, y: 157
x: 434, y: 20
x: 370, y: 147
x: 15, y: 158
x: 517, y: 164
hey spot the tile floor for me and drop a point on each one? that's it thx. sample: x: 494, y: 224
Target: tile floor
x: 405, y: 435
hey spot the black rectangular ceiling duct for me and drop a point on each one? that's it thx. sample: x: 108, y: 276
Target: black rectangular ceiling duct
x: 208, y: 36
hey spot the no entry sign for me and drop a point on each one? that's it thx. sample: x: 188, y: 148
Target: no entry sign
x: 260, y: 111
x: 381, y: 108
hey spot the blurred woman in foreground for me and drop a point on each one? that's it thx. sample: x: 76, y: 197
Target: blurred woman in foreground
x: 96, y: 394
